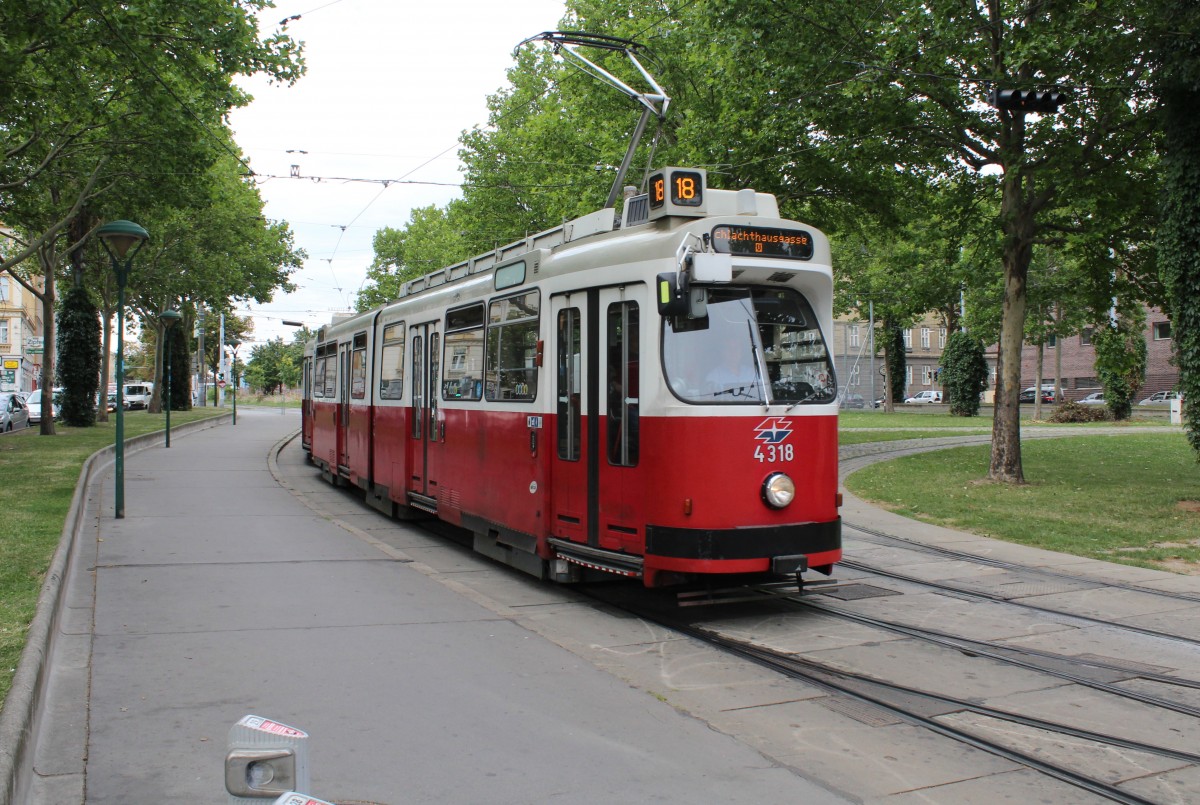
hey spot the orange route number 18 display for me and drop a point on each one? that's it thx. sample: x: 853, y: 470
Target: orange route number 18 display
x: 686, y: 189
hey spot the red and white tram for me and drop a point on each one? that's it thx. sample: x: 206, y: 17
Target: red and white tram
x: 652, y: 396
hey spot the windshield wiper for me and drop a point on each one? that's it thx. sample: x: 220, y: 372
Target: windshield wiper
x: 736, y: 391
x: 762, y: 386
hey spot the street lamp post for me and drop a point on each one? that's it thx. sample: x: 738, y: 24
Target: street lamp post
x: 233, y: 372
x: 169, y: 318
x: 117, y: 238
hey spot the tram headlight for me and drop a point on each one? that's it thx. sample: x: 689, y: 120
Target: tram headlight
x: 778, y: 490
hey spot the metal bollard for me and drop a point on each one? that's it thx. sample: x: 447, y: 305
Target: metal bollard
x: 265, y: 760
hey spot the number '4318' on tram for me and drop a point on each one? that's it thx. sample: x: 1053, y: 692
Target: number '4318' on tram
x: 649, y: 394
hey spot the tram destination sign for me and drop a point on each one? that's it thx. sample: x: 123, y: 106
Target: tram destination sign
x: 757, y: 241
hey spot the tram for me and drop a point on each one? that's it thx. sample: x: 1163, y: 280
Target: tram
x: 649, y: 394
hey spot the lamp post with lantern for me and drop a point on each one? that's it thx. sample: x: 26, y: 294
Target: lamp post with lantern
x: 118, y: 238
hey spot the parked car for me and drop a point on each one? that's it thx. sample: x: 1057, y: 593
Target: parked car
x: 925, y: 397
x: 137, y: 395
x: 853, y: 401
x: 33, y: 401
x: 1095, y: 398
x: 13, y: 413
x: 1026, y: 396
x: 110, y: 399
x: 1160, y: 398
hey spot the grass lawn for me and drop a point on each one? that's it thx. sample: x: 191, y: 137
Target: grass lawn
x: 858, y: 427
x: 40, y: 473
x: 1128, y: 498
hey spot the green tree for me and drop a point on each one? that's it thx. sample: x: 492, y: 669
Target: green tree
x: 1178, y: 90
x: 237, y: 330
x: 181, y: 360
x: 900, y: 88
x: 1121, y: 360
x: 103, y: 98
x: 275, y: 365
x: 894, y: 361
x: 431, y: 239
x: 108, y: 103
x: 216, y: 252
x: 79, y: 367
x: 964, y: 373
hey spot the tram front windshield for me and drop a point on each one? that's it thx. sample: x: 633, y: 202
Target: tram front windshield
x: 755, y: 346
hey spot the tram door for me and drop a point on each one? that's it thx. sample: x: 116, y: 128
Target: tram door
x: 306, y: 403
x: 597, y: 423
x: 343, y: 405
x: 424, y: 425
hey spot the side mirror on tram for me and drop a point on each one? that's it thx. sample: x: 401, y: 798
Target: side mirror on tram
x: 673, y: 294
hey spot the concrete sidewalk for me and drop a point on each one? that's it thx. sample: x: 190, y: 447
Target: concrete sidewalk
x: 221, y: 594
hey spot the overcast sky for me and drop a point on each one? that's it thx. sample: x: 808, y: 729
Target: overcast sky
x: 390, y: 86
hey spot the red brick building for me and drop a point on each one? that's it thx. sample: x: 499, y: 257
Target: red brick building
x: 1073, y: 361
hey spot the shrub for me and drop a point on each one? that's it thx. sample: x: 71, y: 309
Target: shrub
x: 1074, y: 412
x: 964, y: 373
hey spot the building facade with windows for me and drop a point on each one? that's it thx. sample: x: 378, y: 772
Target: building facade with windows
x: 1072, y: 360
x: 20, y: 330
x: 858, y: 358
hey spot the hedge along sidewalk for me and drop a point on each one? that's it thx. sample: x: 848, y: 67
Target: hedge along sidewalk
x: 31, y: 674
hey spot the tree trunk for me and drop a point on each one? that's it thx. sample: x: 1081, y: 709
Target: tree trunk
x: 1016, y: 214
x: 1059, y: 396
x: 47, y: 258
x: 1038, y: 373
x: 155, y: 405
x: 105, y: 350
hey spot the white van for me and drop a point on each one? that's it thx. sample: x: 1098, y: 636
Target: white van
x: 137, y: 395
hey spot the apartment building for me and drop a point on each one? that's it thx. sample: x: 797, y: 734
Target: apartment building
x: 1073, y: 360
x: 20, y: 331
x: 859, y: 360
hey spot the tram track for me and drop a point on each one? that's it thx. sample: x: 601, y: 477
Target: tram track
x: 878, y: 537
x: 968, y: 591
x: 859, y: 676
x: 1032, y: 659
x: 930, y: 709
x: 964, y: 590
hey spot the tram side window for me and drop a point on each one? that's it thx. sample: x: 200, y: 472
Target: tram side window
x: 325, y: 375
x: 358, y: 368
x: 512, y: 347
x: 418, y: 387
x: 391, y: 364
x: 623, y: 402
x: 569, y: 361
x: 434, y: 368
x: 331, y: 375
x: 462, y: 373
